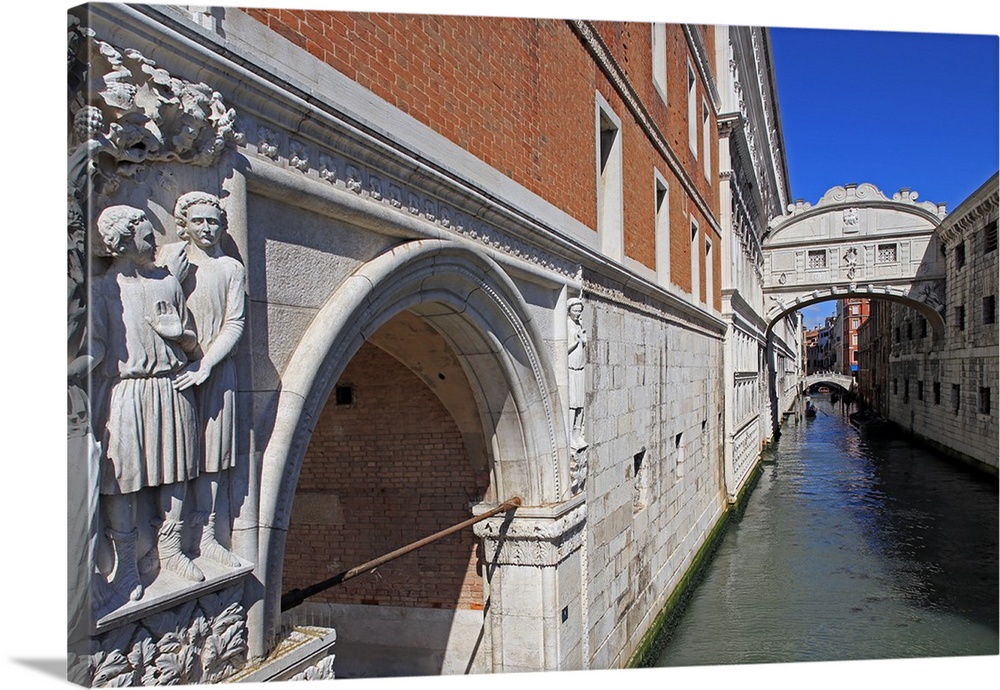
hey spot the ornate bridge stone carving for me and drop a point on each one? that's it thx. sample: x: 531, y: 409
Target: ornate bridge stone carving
x: 855, y: 242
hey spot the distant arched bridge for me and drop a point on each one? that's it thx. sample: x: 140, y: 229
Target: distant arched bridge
x: 841, y: 380
x: 856, y: 242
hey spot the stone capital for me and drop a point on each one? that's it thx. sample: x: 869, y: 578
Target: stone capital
x: 534, y: 536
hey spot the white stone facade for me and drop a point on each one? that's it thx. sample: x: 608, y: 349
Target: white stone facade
x: 943, y: 387
x: 346, y: 212
x: 753, y: 189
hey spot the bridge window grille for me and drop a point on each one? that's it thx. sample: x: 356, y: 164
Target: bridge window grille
x: 960, y: 255
x: 984, y: 401
x: 936, y: 389
x: 886, y: 254
x: 956, y: 397
x: 990, y: 309
x: 990, y: 237
x: 817, y: 258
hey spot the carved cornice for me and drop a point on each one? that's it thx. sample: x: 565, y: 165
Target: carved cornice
x: 609, y: 67
x: 703, y: 61
x: 861, y: 194
x: 532, y: 537
x: 973, y: 213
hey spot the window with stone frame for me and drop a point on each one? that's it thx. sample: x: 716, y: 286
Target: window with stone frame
x: 990, y: 309
x: 692, y: 111
x: 990, y: 237
x: 906, y: 390
x: 936, y: 390
x: 923, y: 327
x: 960, y: 317
x: 817, y: 258
x: 886, y: 254
x: 960, y: 255
x: 984, y: 400
x: 660, y: 59
x: 956, y: 397
x: 920, y: 390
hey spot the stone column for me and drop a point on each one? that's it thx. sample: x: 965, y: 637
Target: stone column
x: 532, y: 584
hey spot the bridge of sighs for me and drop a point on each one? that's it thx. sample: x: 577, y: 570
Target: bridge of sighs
x: 856, y: 242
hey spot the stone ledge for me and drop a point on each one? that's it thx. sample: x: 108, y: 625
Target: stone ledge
x: 303, y: 647
x: 169, y: 590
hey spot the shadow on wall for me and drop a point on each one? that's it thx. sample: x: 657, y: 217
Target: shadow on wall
x: 388, y: 465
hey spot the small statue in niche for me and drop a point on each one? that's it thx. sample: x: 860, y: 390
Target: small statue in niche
x: 141, y: 334
x: 214, y: 288
x: 576, y: 339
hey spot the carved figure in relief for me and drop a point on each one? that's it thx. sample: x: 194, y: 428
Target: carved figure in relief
x: 140, y: 337
x: 576, y: 338
x: 214, y: 289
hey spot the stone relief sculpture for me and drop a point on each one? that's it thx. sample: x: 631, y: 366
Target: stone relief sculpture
x: 140, y: 340
x: 213, y: 285
x: 576, y: 339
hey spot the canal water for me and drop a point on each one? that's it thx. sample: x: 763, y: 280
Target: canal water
x: 853, y: 545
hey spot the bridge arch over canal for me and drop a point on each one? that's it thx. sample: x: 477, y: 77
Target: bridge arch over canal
x: 840, y: 380
x: 856, y: 242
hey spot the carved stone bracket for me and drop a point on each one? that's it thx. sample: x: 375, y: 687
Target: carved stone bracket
x: 541, y: 537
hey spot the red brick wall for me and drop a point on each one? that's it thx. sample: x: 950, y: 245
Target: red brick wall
x: 396, y: 463
x: 519, y: 95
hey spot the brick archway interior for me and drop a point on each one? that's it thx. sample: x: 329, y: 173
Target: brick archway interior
x: 387, y: 465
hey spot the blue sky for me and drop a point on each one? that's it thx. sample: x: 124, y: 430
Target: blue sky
x: 897, y: 109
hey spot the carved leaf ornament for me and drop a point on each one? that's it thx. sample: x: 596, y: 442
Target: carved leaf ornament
x: 139, y: 113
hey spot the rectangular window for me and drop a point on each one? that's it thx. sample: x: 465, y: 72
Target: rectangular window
x: 960, y: 255
x: 886, y: 254
x: 855, y: 309
x: 817, y: 258
x: 895, y: 387
x: 610, y: 197
x: 937, y: 392
x: 660, y: 59
x: 695, y: 262
x: 906, y: 390
x: 896, y: 334
x: 855, y: 324
x: 990, y: 309
x: 692, y: 111
x: 990, y: 237
x: 960, y: 317
x: 956, y: 397
x: 662, y: 201
x: 923, y: 327
x: 706, y: 141
x: 909, y: 331
x: 709, y: 275
x: 920, y: 390
x: 984, y: 401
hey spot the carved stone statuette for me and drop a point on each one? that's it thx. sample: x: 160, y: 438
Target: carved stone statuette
x: 213, y: 287
x: 141, y: 335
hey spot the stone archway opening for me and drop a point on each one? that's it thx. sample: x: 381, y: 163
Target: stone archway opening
x: 397, y: 454
x: 478, y: 312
